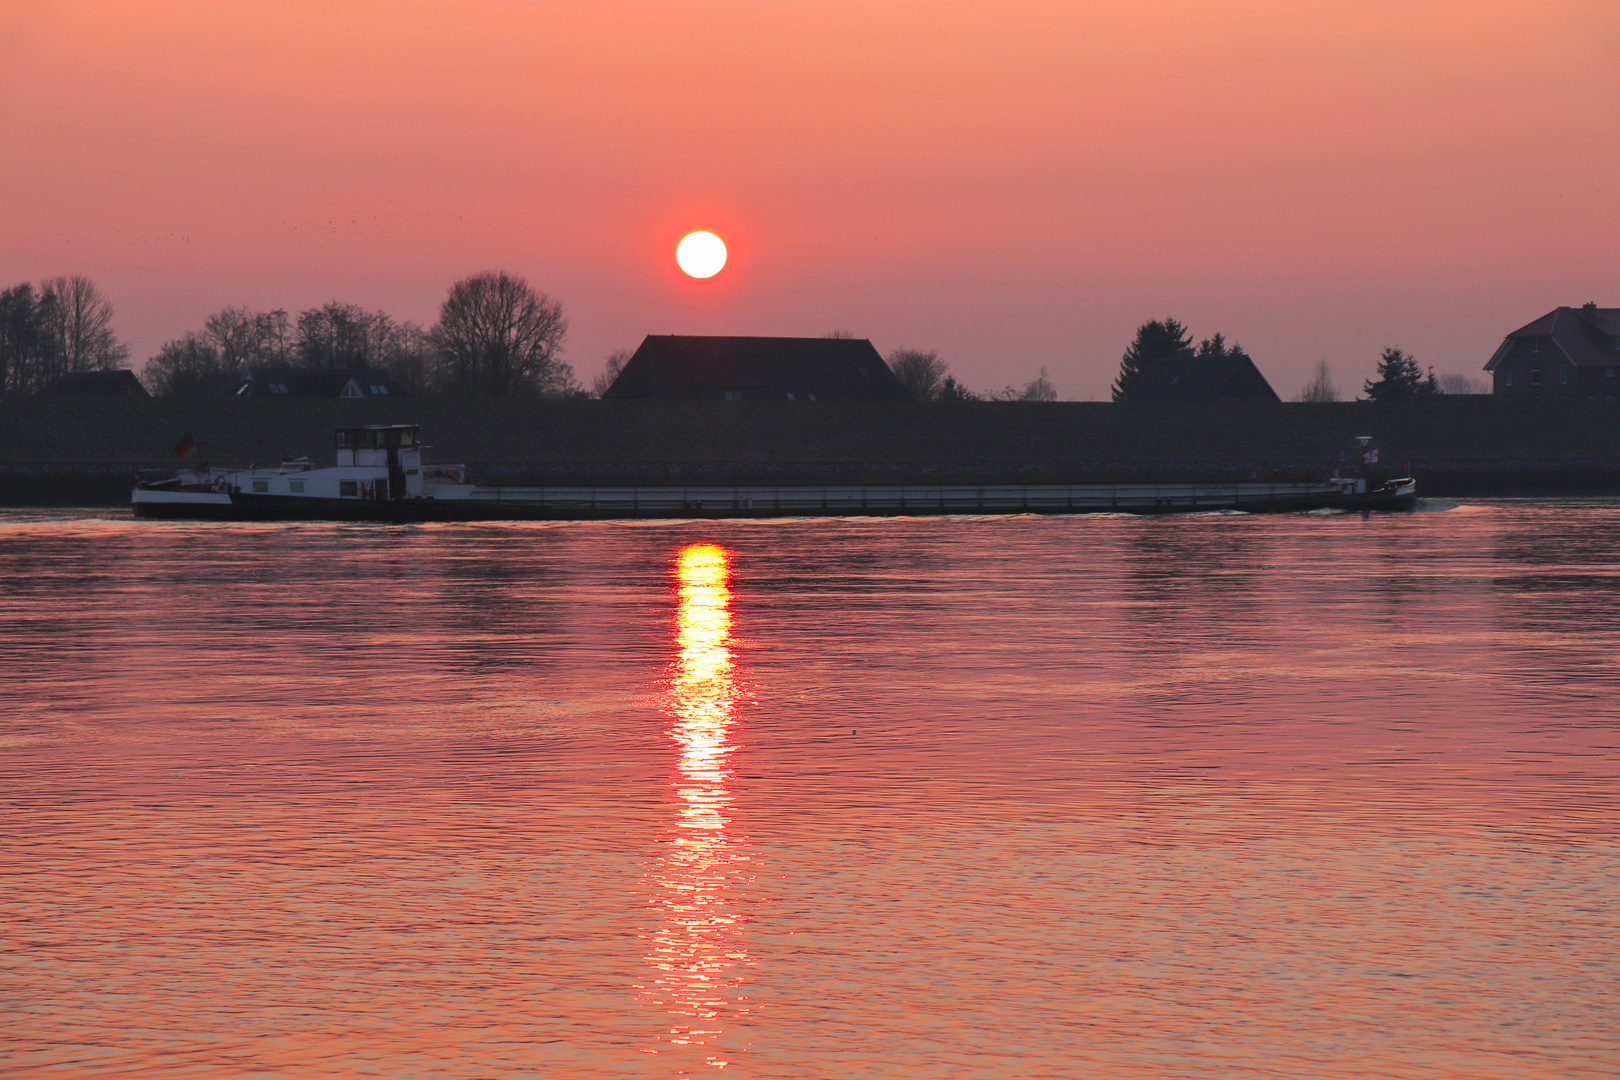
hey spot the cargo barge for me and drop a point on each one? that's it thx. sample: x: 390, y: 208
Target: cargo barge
x: 379, y: 476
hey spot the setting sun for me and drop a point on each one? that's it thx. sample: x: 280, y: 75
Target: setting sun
x: 701, y: 254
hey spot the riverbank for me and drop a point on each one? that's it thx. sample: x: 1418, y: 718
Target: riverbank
x: 84, y: 451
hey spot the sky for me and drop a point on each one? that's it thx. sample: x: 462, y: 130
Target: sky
x: 1017, y: 185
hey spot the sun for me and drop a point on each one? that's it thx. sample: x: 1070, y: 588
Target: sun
x: 701, y: 254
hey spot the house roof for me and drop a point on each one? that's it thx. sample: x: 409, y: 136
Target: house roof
x: 120, y: 383
x: 1192, y: 378
x: 1585, y: 336
x: 319, y: 382
x: 672, y: 366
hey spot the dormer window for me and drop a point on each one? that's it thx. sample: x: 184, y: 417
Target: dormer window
x: 351, y: 390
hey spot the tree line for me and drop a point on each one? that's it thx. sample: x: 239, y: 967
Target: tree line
x: 496, y: 336
x: 1399, y: 377
x: 929, y: 378
x: 62, y: 326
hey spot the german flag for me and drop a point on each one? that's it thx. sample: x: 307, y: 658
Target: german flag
x: 186, y: 447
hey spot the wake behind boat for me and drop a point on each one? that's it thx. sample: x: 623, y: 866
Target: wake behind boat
x: 379, y: 476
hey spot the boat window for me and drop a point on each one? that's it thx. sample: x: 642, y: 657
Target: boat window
x: 345, y: 440
x: 382, y: 489
x: 296, y: 486
x: 349, y: 489
x: 261, y: 485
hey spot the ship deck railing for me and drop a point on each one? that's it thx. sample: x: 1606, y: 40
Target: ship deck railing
x: 889, y: 498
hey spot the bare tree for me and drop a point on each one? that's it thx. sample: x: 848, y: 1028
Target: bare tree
x: 190, y: 365
x: 1321, y: 387
x: 497, y: 337
x: 243, y: 338
x: 1463, y: 384
x: 1039, y: 388
x: 64, y: 326
x: 77, y: 322
x: 922, y: 373
x: 610, y: 371
x: 19, y: 333
x: 343, y: 336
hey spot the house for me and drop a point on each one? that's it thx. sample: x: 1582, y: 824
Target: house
x: 120, y: 383
x: 1187, y: 377
x: 674, y: 367
x: 319, y: 383
x: 1569, y: 354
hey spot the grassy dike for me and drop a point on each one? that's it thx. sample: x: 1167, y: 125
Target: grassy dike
x: 84, y: 451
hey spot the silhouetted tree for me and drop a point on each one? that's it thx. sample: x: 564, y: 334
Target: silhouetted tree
x: 1462, y: 384
x: 245, y: 338
x: 64, y: 326
x: 19, y: 333
x: 348, y: 336
x: 1154, y: 340
x: 953, y: 392
x: 498, y: 337
x: 1321, y: 387
x: 1400, y: 379
x: 611, y: 369
x: 190, y: 365
x: 921, y: 373
x: 1039, y: 388
x: 76, y: 320
x: 1216, y: 348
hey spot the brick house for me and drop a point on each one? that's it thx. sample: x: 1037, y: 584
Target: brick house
x: 1569, y: 354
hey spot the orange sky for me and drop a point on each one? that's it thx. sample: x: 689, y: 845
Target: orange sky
x: 1013, y: 184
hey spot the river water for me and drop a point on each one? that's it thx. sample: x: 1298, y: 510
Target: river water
x: 1198, y: 796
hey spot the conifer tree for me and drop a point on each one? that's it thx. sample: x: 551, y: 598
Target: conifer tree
x: 1154, y: 340
x: 1400, y: 379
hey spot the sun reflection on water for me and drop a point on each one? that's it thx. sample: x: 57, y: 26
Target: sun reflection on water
x: 696, y: 950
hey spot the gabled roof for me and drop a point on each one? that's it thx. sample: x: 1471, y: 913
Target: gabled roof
x: 1585, y: 336
x: 823, y: 369
x: 1192, y: 378
x: 119, y: 383
x: 319, y: 382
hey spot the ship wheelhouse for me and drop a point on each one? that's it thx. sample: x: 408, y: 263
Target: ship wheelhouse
x: 394, y: 447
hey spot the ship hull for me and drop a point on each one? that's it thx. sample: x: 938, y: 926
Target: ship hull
x: 872, y: 500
